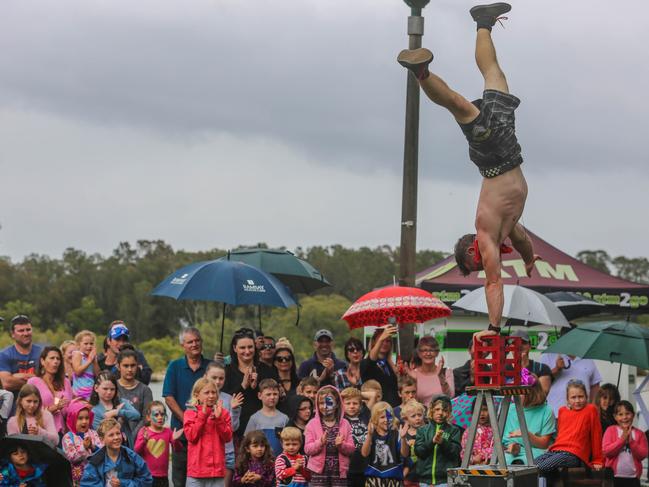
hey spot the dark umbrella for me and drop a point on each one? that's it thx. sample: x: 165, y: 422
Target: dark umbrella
x: 300, y: 276
x: 227, y: 282
x: 614, y: 341
x: 574, y: 305
x: 40, y: 451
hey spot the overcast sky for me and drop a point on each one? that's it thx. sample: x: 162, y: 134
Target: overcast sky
x: 213, y: 123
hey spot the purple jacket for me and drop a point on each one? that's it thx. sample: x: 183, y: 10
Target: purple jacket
x: 314, y: 432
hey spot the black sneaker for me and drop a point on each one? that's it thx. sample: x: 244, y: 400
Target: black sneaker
x: 486, y: 15
x: 416, y: 60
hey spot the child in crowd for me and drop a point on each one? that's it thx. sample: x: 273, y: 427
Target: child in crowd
x: 328, y: 441
x: 624, y: 447
x: 115, y: 465
x: 67, y: 348
x: 107, y: 404
x: 290, y: 466
x: 300, y: 409
x: 308, y: 387
x: 16, y: 470
x: 407, y: 391
x: 372, y: 393
x: 6, y: 405
x: 80, y: 441
x: 412, y: 415
x: 483, y: 446
x: 154, y: 440
x: 541, y: 426
x: 207, y: 427
x: 352, y: 400
x: 579, y: 434
x: 216, y: 372
x: 268, y: 419
x: 31, y: 417
x: 255, y: 466
x: 606, y: 398
x: 131, y: 389
x: 437, y: 445
x: 384, y: 447
x: 84, y: 364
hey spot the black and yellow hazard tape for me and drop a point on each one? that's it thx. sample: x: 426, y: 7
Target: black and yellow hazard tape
x: 483, y: 472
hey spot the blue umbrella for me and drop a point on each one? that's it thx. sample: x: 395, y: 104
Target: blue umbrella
x: 227, y: 282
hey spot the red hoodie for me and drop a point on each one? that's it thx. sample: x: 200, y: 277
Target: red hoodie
x: 206, y: 438
x: 580, y: 433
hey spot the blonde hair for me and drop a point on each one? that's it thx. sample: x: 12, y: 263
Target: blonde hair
x: 373, y: 385
x: 378, y: 410
x: 65, y: 345
x: 199, y: 385
x: 21, y: 418
x: 412, y: 406
x: 84, y: 333
x: 351, y: 393
x: 106, y: 425
x: 291, y: 433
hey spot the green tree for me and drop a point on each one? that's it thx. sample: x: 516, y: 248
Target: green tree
x: 86, y: 317
x: 634, y: 269
x: 598, y: 259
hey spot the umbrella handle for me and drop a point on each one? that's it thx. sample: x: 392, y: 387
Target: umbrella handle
x: 222, y: 328
x: 297, y: 320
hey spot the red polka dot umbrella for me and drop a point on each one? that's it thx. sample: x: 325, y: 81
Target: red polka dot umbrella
x: 395, y: 304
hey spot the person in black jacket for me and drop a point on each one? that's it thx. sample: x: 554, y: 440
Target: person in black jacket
x: 378, y: 364
x: 244, y: 374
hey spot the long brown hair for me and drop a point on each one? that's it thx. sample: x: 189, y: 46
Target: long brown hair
x: 243, y: 457
x: 59, y: 377
x: 535, y: 395
x: 21, y: 419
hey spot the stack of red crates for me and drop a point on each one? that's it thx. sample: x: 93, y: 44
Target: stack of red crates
x: 497, y: 361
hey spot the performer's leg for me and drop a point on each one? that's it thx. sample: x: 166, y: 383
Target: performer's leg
x: 440, y: 93
x: 417, y: 61
x: 485, y: 57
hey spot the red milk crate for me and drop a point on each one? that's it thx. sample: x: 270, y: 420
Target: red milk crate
x: 497, y: 361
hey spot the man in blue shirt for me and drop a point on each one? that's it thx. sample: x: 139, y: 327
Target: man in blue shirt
x: 177, y: 388
x: 18, y: 362
x: 323, y: 363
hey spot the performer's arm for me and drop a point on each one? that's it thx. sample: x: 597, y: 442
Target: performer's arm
x: 523, y: 244
x: 493, y: 282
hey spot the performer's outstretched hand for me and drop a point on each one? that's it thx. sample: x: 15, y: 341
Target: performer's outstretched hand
x: 529, y: 266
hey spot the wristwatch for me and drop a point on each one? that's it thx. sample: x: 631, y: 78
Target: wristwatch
x: 497, y: 329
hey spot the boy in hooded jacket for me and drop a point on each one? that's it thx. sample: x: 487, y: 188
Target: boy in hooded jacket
x: 437, y: 445
x: 328, y: 441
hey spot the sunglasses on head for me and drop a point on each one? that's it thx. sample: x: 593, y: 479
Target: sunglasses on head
x: 268, y: 346
x: 283, y: 359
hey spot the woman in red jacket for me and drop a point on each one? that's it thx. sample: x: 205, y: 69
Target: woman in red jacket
x: 624, y: 447
x: 579, y: 434
x: 208, y: 428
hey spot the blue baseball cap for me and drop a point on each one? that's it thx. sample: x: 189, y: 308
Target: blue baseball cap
x: 117, y: 331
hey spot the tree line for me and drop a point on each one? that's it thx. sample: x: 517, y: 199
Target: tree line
x: 87, y: 291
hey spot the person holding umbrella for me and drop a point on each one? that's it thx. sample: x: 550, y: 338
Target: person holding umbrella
x: 244, y: 374
x: 378, y: 364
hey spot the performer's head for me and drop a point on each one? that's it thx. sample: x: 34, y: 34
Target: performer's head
x: 465, y: 254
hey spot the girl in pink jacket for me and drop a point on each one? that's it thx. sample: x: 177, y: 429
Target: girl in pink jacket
x: 624, y: 447
x: 328, y: 441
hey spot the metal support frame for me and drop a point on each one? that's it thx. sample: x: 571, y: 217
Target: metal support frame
x: 497, y: 420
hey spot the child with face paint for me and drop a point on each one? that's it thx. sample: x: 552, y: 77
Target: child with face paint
x: 384, y: 448
x: 328, y: 441
x: 81, y: 441
x: 153, y: 442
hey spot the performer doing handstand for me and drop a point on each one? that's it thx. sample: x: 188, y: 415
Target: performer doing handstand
x: 488, y: 125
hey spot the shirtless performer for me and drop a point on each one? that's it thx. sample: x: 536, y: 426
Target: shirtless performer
x: 488, y: 125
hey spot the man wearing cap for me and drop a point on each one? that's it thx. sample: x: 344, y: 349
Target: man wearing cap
x: 324, y: 362
x: 541, y: 370
x: 118, y: 335
x: 18, y: 362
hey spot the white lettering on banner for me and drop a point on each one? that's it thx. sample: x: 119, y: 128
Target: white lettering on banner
x: 562, y: 271
x: 542, y: 343
x: 251, y: 287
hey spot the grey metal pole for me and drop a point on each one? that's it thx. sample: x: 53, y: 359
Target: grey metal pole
x: 408, y: 245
